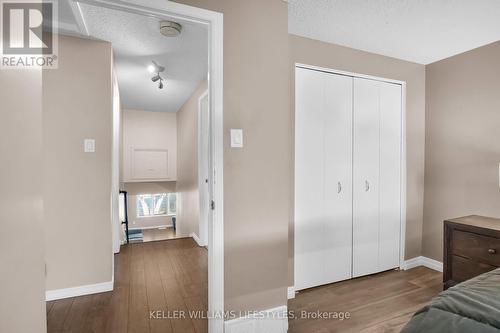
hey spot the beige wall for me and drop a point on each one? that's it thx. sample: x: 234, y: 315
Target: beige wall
x: 257, y: 177
x: 133, y: 189
x: 311, y: 52
x: 77, y: 104
x: 188, y: 210
x: 22, y: 280
x: 149, y: 130
x: 462, y: 141
x: 149, y: 187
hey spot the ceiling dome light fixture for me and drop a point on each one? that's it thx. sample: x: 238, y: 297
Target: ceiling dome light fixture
x: 170, y: 29
x: 156, y: 70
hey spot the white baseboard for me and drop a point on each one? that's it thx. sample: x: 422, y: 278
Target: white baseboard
x: 411, y: 263
x: 432, y: 264
x: 422, y: 261
x: 196, y: 239
x: 155, y: 227
x: 52, y: 295
x: 407, y: 264
x: 266, y: 321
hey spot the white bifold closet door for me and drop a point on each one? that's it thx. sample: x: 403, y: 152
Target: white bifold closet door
x: 376, y: 176
x: 323, y: 178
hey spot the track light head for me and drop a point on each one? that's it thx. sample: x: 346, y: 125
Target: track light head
x: 156, y: 78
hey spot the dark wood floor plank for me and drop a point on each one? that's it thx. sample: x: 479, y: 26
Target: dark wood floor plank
x: 197, y: 307
x: 171, y: 273
x: 138, y: 314
x: 48, y: 307
x: 58, y: 314
x: 155, y: 293
x: 394, y: 324
x: 118, y: 314
x: 77, y: 315
x: 98, y: 314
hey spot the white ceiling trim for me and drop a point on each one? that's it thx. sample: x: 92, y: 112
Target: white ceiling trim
x: 80, y: 20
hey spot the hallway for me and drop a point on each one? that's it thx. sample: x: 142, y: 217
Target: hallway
x: 157, y: 276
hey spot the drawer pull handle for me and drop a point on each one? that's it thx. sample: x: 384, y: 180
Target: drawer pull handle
x: 492, y: 251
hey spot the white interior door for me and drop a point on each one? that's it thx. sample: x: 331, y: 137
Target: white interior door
x: 337, y: 181
x: 377, y: 176
x: 323, y: 221
x: 204, y: 167
x: 390, y: 175
x: 366, y: 169
x: 309, y: 180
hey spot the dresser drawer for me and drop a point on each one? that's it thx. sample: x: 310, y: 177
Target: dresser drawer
x: 476, y: 247
x: 465, y: 269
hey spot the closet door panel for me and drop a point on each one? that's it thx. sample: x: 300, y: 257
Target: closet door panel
x: 338, y: 177
x: 366, y: 177
x: 348, y: 141
x: 309, y: 179
x: 390, y: 175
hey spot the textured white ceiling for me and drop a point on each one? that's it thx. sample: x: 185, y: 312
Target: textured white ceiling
x: 422, y: 31
x: 136, y: 41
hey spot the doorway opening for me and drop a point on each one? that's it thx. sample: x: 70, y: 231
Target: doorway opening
x: 167, y: 151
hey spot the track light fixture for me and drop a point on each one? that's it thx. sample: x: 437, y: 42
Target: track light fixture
x: 156, y: 70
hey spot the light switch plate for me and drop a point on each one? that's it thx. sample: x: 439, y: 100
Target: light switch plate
x: 236, y: 138
x: 89, y: 146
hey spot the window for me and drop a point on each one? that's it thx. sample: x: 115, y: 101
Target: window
x: 156, y: 204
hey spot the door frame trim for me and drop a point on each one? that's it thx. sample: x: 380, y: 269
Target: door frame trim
x: 403, y: 180
x: 215, y: 24
x: 202, y: 219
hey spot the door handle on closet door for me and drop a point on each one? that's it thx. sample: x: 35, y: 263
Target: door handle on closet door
x: 367, y: 186
x: 339, y: 187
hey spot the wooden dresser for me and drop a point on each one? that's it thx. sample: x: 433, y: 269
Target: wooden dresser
x: 471, y: 247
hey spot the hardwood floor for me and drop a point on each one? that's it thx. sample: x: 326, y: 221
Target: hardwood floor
x: 378, y: 303
x: 158, y: 276
x: 172, y: 275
